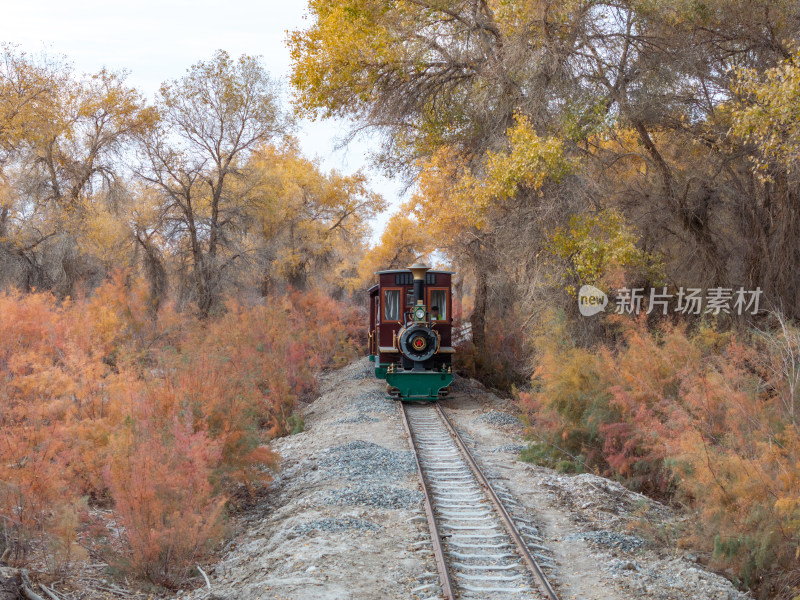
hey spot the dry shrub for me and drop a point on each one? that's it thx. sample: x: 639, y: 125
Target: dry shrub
x: 499, y: 365
x: 43, y: 388
x: 160, y: 416
x: 705, y: 417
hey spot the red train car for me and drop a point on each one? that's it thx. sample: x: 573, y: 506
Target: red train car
x: 410, y: 331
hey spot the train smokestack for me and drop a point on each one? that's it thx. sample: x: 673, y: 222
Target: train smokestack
x: 418, y: 270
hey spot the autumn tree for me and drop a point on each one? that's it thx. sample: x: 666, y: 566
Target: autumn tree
x: 630, y: 144
x: 112, y: 394
x: 211, y: 120
x: 764, y: 117
x: 633, y: 96
x: 443, y: 82
x: 62, y: 173
x: 306, y: 221
x: 403, y: 242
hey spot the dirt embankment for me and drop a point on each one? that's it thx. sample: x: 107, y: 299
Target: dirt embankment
x: 344, y: 519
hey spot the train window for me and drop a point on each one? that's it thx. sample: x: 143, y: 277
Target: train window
x: 410, y: 298
x: 391, y: 305
x: 439, y: 305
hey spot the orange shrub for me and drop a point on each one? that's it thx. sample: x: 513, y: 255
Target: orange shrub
x: 158, y: 415
x: 160, y: 479
x: 701, y: 416
x: 47, y: 377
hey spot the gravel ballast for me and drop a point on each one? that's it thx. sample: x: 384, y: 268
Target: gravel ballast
x: 360, y: 460
x: 379, y: 496
x: 332, y: 525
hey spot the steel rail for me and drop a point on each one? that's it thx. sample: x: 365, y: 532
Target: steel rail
x: 438, y: 550
x: 507, y: 521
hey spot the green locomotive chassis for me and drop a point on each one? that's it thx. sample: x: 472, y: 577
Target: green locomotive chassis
x: 414, y: 385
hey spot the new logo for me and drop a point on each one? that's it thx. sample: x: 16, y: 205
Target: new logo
x: 591, y: 300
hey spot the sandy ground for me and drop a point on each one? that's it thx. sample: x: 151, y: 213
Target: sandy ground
x: 320, y: 534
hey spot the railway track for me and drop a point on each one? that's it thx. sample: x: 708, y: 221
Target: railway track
x: 479, y: 549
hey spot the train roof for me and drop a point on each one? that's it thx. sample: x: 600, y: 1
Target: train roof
x: 409, y: 271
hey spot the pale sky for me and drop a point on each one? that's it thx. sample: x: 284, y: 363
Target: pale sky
x: 158, y: 40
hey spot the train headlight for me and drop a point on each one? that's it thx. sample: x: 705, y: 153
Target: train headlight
x: 419, y: 313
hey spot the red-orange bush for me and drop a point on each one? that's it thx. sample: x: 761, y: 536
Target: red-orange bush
x: 161, y: 481
x: 101, y: 398
x: 704, y: 416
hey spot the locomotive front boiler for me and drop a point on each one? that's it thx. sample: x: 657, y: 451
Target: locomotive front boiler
x: 410, y: 332
x: 418, y: 344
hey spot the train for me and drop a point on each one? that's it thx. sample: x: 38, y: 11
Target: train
x: 410, y: 332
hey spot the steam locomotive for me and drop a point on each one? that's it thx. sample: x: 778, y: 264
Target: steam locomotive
x: 410, y: 332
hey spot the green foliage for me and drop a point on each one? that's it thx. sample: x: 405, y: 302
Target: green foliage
x: 583, y: 121
x: 548, y: 455
x: 602, y: 250
x: 296, y: 424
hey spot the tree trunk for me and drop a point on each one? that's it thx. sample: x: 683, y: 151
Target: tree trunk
x: 781, y: 276
x: 4, y: 222
x: 205, y: 289
x: 478, y: 318
x: 458, y: 292
x: 156, y: 273
x: 203, y: 267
